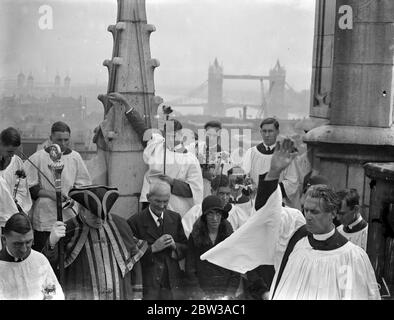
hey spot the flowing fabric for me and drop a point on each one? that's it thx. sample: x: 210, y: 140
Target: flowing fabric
x: 237, y: 216
x: 190, y: 218
x: 257, y: 241
x: 181, y: 166
x: 341, y: 274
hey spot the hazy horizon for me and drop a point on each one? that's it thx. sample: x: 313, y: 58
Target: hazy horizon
x: 247, y: 37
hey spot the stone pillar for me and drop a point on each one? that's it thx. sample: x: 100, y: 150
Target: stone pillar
x: 215, y: 90
x: 381, y: 223
x: 131, y: 72
x: 359, y: 110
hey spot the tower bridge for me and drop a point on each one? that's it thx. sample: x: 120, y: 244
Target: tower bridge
x: 209, y: 94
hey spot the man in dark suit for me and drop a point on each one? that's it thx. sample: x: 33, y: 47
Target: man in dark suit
x: 162, y: 229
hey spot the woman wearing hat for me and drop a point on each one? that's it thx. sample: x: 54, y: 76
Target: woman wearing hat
x: 205, y: 279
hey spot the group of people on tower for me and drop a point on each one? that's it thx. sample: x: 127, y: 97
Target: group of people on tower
x: 268, y: 227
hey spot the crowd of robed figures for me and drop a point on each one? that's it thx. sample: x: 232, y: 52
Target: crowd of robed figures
x: 268, y: 227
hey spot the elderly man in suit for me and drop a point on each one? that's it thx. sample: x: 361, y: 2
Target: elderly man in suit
x: 163, y: 230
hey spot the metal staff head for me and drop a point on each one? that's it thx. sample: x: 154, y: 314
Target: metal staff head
x: 55, y: 153
x: 57, y: 165
x: 166, y: 111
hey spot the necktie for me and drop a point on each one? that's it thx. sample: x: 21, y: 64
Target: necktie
x: 268, y: 149
x: 160, y: 220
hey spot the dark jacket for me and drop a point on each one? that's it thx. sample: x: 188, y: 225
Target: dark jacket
x: 204, y: 278
x: 160, y: 269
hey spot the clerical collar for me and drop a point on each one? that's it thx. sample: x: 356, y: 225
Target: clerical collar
x: 269, y: 147
x: 353, y: 224
x: 8, y: 257
x: 325, y: 236
x: 263, y: 148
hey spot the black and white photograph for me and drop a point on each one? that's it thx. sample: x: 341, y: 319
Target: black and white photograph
x: 197, y: 155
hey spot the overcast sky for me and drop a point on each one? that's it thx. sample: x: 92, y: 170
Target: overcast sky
x: 247, y: 37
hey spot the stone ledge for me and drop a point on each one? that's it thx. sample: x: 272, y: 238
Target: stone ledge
x: 310, y: 123
x: 384, y: 171
x: 370, y: 136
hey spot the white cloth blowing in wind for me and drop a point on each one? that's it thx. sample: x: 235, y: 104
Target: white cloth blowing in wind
x: 262, y: 240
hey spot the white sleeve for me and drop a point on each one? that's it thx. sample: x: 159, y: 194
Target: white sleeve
x: 195, y: 181
x: 23, y: 194
x: 190, y: 218
x: 52, y: 282
x: 152, y: 153
x: 32, y: 174
x: 246, y: 164
x: 82, y: 177
x: 290, y: 181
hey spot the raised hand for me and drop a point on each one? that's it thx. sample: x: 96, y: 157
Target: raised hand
x: 118, y: 98
x: 283, y: 155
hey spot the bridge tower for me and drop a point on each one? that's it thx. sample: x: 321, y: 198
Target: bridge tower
x: 20, y: 83
x: 215, y: 90
x: 276, y: 102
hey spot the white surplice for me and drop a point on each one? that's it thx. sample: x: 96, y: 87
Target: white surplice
x: 340, y: 274
x: 29, y: 279
x: 262, y: 240
x: 182, y: 166
x: 22, y: 195
x: 74, y: 173
x: 359, y: 238
x: 255, y: 163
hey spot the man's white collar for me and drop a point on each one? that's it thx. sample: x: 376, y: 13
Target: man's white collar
x: 353, y: 224
x: 269, y: 147
x: 325, y: 236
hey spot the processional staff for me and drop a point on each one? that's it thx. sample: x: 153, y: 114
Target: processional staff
x: 56, y: 168
x: 167, y: 111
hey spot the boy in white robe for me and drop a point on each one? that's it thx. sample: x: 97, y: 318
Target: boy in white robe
x: 312, y: 261
x: 25, y: 274
x: 11, y: 168
x: 74, y: 174
x: 353, y: 227
x: 257, y: 160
